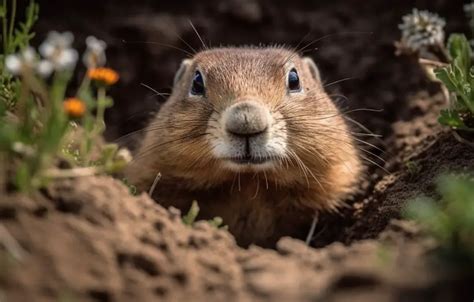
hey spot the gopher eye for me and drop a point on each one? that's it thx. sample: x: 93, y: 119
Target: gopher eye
x: 293, y: 81
x: 197, y: 87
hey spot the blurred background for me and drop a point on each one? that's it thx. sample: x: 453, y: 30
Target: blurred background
x: 353, y: 46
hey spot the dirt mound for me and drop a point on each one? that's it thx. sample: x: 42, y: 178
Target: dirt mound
x: 88, y: 240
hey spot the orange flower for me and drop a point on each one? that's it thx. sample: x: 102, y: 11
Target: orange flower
x: 74, y: 107
x: 103, y: 75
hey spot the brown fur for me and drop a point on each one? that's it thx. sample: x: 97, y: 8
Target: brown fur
x: 258, y: 206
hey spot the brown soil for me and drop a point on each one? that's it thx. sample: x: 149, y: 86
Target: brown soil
x: 87, y: 239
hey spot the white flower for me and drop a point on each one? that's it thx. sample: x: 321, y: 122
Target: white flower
x: 19, y: 63
x: 45, y: 68
x: 469, y: 8
x: 421, y: 29
x: 57, y: 49
x: 124, y: 155
x: 95, y: 53
x: 21, y: 148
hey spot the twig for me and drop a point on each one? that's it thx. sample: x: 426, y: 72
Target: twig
x: 155, y: 182
x: 428, y: 66
x: 313, y: 228
x: 462, y: 140
x: 423, y: 61
x: 72, y: 173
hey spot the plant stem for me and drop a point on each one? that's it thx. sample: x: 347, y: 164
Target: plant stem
x: 58, y: 88
x: 96, y: 128
x: 4, y: 28
x: 12, y: 22
x: 471, y: 20
x: 101, y: 104
x: 21, y: 109
x: 84, y: 85
x: 3, y: 174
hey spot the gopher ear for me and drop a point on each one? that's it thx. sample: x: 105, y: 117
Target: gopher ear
x: 182, y: 68
x: 312, y: 68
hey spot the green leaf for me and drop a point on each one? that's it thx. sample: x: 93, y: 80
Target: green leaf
x: 85, y: 94
x: 192, y: 214
x: 451, y: 119
x: 218, y: 223
x: 132, y: 189
x: 422, y: 209
x: 108, y: 152
x: 460, y: 52
x: 446, y: 77
x: 458, y: 78
x: 449, y: 219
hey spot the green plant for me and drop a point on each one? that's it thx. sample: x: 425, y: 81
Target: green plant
x: 131, y: 188
x: 413, y: 168
x: 217, y: 222
x: 450, y: 220
x: 447, y: 63
x: 43, y: 133
x: 14, y: 38
x: 458, y: 78
x: 193, y: 213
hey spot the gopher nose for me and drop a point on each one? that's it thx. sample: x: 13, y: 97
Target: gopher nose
x: 246, y: 119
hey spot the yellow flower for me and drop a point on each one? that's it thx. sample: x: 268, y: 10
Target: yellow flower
x: 103, y: 75
x: 74, y: 107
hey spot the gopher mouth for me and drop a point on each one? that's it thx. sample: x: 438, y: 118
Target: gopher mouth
x: 246, y: 138
x: 250, y: 160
